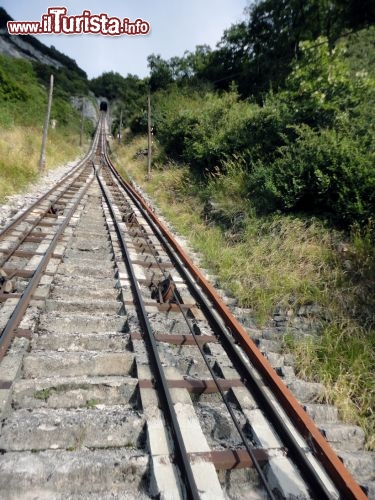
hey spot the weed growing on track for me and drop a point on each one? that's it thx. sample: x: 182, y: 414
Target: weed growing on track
x: 281, y: 261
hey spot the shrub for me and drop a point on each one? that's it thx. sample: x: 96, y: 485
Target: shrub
x: 322, y: 171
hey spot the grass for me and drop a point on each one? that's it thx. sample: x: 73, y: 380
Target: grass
x: 91, y: 403
x: 280, y: 262
x: 43, y: 394
x: 20, y: 151
x: 23, y: 105
x: 276, y: 261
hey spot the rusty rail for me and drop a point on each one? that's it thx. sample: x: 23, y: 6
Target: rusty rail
x: 20, y: 309
x: 338, y: 474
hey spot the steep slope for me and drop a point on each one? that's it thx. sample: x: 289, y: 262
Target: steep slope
x: 29, y: 47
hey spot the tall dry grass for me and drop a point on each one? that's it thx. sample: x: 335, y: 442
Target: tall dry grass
x: 20, y: 152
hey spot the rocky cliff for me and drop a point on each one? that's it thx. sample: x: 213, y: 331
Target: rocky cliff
x: 30, y: 48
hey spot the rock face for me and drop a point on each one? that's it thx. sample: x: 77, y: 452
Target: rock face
x: 26, y: 47
x: 30, y: 48
x: 16, y: 46
x: 90, y: 107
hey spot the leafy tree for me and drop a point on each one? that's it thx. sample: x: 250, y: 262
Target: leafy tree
x: 125, y: 93
x: 110, y: 85
x: 327, y: 163
x: 258, y: 52
x: 321, y: 85
x: 161, y: 73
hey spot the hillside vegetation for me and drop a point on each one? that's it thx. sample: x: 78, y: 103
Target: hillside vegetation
x: 264, y: 152
x: 23, y: 98
x: 266, y: 164
x: 310, y: 147
x: 23, y: 101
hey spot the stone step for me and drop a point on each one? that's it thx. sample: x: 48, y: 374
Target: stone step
x: 80, y: 241
x: 265, y: 345
x: 287, y: 373
x: 81, y: 323
x: 306, y: 392
x: 92, y: 253
x: 84, y: 281
x: 92, y: 225
x: 91, y: 210
x: 90, y: 249
x: 43, y: 429
x: 322, y: 413
x: 66, y: 392
x: 95, y: 259
x: 362, y: 465
x: 82, y: 306
x: 76, y: 270
x: 73, y: 253
x: 76, y: 364
x: 109, y: 341
x: 343, y: 436
x: 75, y: 290
x: 276, y: 360
x: 93, y: 216
x: 89, y: 228
x: 80, y: 474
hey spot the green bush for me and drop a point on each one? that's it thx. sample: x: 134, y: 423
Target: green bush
x: 322, y: 171
x: 10, y: 90
x: 201, y: 129
x: 24, y: 100
x: 321, y: 85
x: 309, y: 147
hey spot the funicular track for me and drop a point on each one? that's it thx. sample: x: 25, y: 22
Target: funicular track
x: 128, y: 377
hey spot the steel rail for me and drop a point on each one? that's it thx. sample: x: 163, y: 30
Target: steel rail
x: 250, y: 449
x: 20, y: 309
x: 12, y: 251
x: 339, y: 475
x: 161, y: 381
x: 34, y: 205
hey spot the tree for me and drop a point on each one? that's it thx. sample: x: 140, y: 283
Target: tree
x: 258, y: 52
x: 161, y: 74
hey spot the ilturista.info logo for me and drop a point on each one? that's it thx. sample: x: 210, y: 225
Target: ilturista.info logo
x: 57, y: 22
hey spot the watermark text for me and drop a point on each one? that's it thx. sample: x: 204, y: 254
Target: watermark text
x: 57, y: 22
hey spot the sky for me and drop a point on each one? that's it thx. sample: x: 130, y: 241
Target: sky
x: 176, y: 26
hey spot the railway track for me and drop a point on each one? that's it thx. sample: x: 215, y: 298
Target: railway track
x: 123, y: 374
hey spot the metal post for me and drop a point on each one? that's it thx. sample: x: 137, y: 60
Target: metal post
x: 42, y: 161
x: 149, y: 139
x: 82, y: 114
x: 120, y: 128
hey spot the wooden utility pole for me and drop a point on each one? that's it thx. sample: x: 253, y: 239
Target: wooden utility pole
x: 120, y: 128
x: 82, y: 115
x: 149, y: 138
x: 42, y: 161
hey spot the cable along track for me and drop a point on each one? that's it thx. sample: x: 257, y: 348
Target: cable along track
x: 127, y: 378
